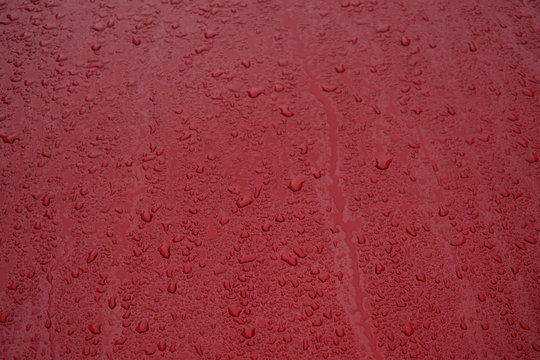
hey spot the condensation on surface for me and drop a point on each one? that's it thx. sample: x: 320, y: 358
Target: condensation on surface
x: 269, y: 179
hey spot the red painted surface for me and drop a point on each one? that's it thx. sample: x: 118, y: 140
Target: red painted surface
x: 269, y: 179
